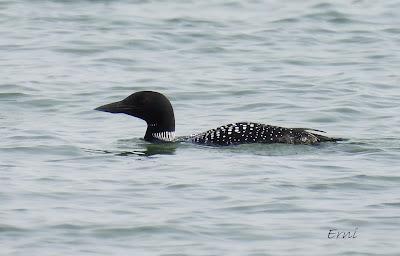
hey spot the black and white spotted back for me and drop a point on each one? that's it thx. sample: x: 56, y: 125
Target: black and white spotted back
x: 243, y: 132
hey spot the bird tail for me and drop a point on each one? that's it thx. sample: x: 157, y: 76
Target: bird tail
x: 321, y: 138
x: 308, y: 129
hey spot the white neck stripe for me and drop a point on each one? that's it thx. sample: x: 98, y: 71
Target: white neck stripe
x: 164, y: 136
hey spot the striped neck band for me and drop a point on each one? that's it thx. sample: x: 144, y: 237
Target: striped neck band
x: 164, y: 136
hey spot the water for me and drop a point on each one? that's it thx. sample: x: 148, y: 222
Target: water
x: 80, y: 182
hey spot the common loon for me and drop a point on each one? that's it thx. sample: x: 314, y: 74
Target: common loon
x: 157, y: 111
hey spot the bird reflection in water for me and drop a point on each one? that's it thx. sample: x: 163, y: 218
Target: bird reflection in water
x: 142, y: 149
x: 151, y: 150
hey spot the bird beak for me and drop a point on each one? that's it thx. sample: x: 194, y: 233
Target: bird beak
x: 115, y: 107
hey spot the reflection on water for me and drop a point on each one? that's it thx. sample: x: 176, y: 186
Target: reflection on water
x: 151, y: 150
x: 141, y: 149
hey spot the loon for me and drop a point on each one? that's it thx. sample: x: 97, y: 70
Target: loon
x: 156, y: 110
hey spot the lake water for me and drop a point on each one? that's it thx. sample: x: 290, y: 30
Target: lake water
x: 74, y: 181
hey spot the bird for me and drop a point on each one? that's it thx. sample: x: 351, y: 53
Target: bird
x: 155, y: 108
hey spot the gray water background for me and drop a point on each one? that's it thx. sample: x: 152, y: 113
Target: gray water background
x: 74, y: 181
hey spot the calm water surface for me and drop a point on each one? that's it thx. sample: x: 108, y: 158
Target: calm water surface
x: 74, y: 181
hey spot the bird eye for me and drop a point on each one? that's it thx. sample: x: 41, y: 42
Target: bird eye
x: 137, y: 100
x: 141, y: 101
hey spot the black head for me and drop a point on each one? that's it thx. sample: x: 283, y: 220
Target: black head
x: 152, y: 107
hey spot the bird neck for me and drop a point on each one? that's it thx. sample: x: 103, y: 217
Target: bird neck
x: 160, y: 132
